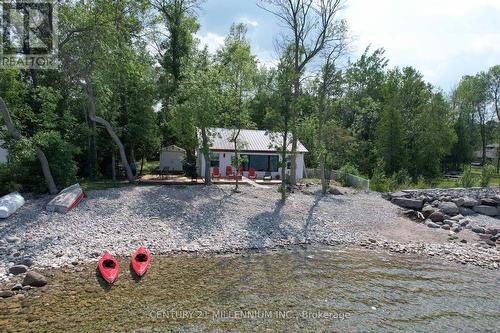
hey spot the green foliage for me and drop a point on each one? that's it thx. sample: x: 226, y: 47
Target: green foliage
x: 7, y: 181
x: 468, y: 179
x: 487, y: 174
x: 345, y: 171
x: 378, y: 181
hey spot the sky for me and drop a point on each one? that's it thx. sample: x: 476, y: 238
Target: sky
x: 443, y: 39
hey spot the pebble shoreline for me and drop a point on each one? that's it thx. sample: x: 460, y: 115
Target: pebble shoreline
x: 198, y: 219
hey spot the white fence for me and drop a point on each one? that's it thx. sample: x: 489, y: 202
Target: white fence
x: 353, y: 181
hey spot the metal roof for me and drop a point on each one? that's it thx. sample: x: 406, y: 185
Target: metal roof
x: 250, y: 140
x: 174, y: 148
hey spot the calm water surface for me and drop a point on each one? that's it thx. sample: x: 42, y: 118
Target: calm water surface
x: 314, y: 289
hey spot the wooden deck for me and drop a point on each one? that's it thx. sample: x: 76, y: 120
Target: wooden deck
x: 183, y: 180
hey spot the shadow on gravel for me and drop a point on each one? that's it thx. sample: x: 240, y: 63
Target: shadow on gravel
x: 103, y: 283
x: 268, y: 225
x: 307, y: 225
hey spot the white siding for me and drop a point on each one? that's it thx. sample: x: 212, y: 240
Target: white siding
x: 171, y: 160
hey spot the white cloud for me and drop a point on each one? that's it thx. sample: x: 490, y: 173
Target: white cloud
x: 249, y: 22
x: 211, y: 40
x: 435, y: 36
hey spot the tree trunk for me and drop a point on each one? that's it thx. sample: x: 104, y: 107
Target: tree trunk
x: 206, y: 155
x: 324, y: 184
x: 142, y: 165
x: 236, y: 152
x: 93, y: 151
x: 283, y: 167
x: 109, y: 129
x: 132, y: 154
x: 113, y: 166
x: 293, y: 168
x: 321, y: 118
x: 51, y: 185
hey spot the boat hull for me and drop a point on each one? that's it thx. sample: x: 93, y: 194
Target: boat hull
x: 141, y: 259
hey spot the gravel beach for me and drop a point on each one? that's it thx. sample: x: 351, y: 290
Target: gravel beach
x: 171, y: 219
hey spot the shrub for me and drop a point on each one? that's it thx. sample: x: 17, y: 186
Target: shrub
x: 421, y: 183
x: 403, y: 178
x: 379, y: 181
x: 25, y: 168
x: 486, y: 174
x: 468, y: 179
x: 7, y: 182
x: 345, y: 171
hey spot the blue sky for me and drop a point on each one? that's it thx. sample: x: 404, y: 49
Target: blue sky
x: 443, y: 39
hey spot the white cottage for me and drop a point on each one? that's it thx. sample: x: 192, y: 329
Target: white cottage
x: 171, y: 158
x: 259, y: 147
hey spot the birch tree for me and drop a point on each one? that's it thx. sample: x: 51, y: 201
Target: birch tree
x: 312, y: 25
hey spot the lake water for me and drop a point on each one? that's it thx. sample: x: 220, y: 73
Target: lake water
x: 298, y: 289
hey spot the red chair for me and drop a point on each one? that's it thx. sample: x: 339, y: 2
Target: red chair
x: 215, y: 173
x: 252, y: 174
x: 240, y: 172
x: 229, y: 172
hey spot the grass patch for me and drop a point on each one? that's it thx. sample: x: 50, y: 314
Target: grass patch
x: 149, y: 166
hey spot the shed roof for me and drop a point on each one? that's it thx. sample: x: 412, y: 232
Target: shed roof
x: 174, y: 148
x: 251, y: 140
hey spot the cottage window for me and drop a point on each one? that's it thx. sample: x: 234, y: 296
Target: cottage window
x: 263, y: 163
x: 214, y: 160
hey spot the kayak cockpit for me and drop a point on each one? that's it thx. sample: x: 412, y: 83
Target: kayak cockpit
x: 109, y: 264
x: 141, y: 257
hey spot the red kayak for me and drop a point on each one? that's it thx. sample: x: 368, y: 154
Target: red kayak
x: 140, y: 261
x: 108, y: 267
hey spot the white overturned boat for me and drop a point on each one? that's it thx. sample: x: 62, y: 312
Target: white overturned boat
x: 66, y: 200
x: 9, y: 204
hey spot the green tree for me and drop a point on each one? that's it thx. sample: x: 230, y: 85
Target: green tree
x: 196, y: 116
x: 237, y: 66
x: 472, y: 94
x: 312, y: 26
x: 176, y: 50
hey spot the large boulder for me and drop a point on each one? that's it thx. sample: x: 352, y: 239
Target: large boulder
x: 395, y: 195
x: 486, y: 210
x: 449, y: 208
x: 428, y: 210
x: 431, y: 224
x: 6, y: 293
x: 18, y: 269
x: 437, y: 216
x: 488, y: 202
x: 34, y: 279
x: 478, y: 230
x: 497, y: 199
x: 457, y: 217
x: 469, y: 202
x: 466, y: 211
x: 409, y: 203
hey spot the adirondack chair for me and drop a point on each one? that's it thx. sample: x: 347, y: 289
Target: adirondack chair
x: 252, y: 174
x: 229, y: 172
x: 215, y: 173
